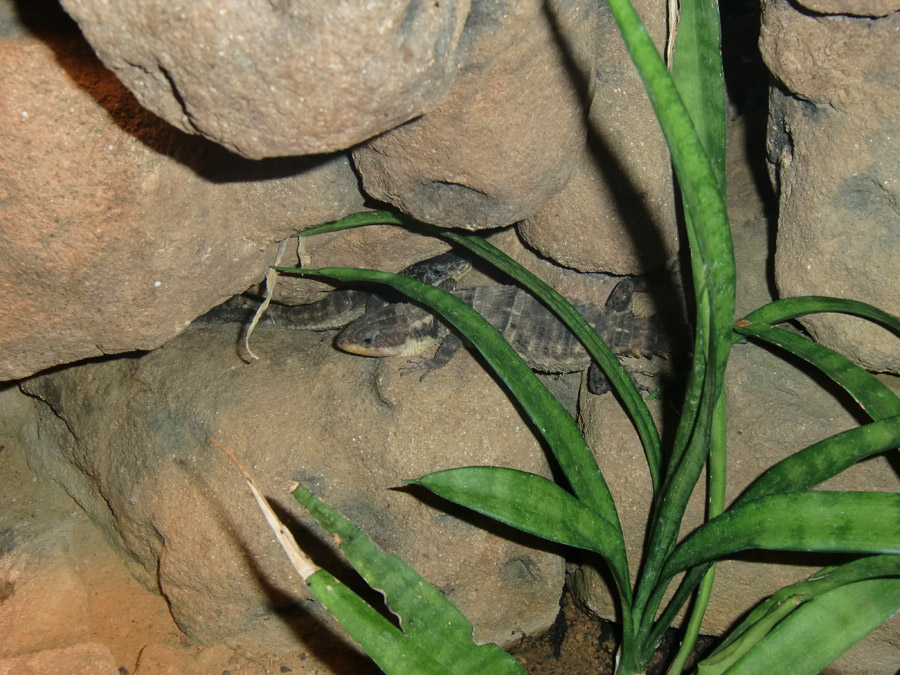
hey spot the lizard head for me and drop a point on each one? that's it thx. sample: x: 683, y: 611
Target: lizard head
x: 449, y: 266
x: 395, y: 330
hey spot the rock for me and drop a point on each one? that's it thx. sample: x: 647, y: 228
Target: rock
x: 84, y: 659
x: 834, y: 143
x: 575, y: 286
x: 501, y: 143
x: 62, y: 585
x: 872, y: 8
x: 269, y: 79
x: 617, y: 213
x: 133, y: 451
x: 118, y: 230
x: 747, y: 212
x: 42, y: 602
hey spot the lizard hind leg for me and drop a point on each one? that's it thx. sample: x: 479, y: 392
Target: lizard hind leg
x: 622, y: 297
x: 598, y: 383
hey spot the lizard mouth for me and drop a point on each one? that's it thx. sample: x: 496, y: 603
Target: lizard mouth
x: 369, y: 347
x: 363, y: 349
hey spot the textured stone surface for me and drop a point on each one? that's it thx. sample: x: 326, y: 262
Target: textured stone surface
x: 617, y: 212
x: 84, y: 659
x: 834, y: 144
x: 852, y: 7
x: 41, y: 601
x: 62, y: 585
x: 273, y: 79
x: 133, y: 451
x: 502, y: 141
x: 116, y: 229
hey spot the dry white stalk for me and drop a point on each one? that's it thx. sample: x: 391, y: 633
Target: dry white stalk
x: 271, y: 280
x: 304, y: 566
x: 673, y: 11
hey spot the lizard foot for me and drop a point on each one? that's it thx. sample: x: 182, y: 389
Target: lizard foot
x: 419, y: 364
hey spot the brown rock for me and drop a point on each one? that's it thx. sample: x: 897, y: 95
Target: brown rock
x: 62, y: 584
x: 269, y: 79
x: 42, y: 602
x: 134, y: 453
x: 85, y: 659
x: 617, y: 212
x: 118, y: 230
x: 747, y: 213
x: 871, y: 8
x: 834, y: 140
x: 575, y: 286
x: 502, y: 141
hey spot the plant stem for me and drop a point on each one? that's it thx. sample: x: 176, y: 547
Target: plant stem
x: 716, y: 504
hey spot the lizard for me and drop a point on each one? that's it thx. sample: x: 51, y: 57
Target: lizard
x: 342, y: 305
x: 539, y: 337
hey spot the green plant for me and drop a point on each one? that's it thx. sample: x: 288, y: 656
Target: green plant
x: 780, y: 511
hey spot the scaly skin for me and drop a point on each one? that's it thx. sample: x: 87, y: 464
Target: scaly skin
x: 342, y: 305
x: 543, y: 341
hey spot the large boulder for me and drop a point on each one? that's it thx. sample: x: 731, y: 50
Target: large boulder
x: 501, y: 143
x: 271, y: 79
x: 616, y: 213
x: 129, y: 439
x: 117, y: 230
x: 834, y: 149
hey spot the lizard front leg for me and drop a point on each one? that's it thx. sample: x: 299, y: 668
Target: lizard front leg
x: 447, y: 349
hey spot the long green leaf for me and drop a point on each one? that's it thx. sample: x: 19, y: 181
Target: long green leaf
x: 760, y: 620
x: 840, y: 522
x: 715, y: 505
x: 819, y: 631
x: 375, y: 217
x: 698, y: 74
x: 549, y: 417
x: 383, y: 642
x: 827, y: 458
x: 872, y: 567
x: 692, y: 165
x: 709, y: 234
x: 800, y: 471
x: 435, y: 637
x: 666, y: 520
x: 722, y: 662
x: 792, y: 308
x: 533, y: 504
x: 875, y: 398
x: 713, y: 273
